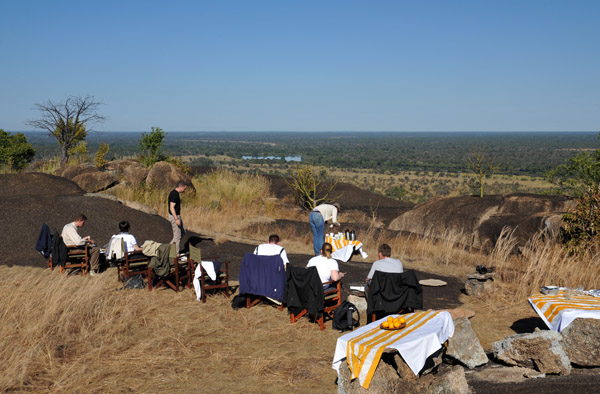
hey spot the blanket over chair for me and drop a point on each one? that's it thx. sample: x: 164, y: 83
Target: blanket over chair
x: 262, y: 276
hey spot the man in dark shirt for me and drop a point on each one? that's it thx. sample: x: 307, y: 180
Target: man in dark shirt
x: 175, y: 212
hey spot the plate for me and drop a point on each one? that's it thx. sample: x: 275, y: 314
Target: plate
x: 392, y: 329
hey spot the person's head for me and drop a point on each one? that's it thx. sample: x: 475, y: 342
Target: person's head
x: 274, y: 239
x: 80, y: 220
x: 326, y: 250
x: 385, y: 250
x: 181, y: 186
x: 338, y: 206
x: 124, y: 226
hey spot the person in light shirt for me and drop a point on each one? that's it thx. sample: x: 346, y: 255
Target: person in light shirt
x: 317, y: 218
x: 326, y: 266
x: 272, y: 249
x: 71, y: 237
x: 129, y: 240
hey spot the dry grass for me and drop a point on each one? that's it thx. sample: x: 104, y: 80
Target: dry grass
x: 73, y: 334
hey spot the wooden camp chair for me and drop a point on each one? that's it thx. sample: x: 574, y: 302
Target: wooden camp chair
x: 132, y: 264
x: 392, y: 293
x: 253, y: 273
x: 77, y: 258
x: 332, y: 296
x: 179, y: 274
x: 221, y: 284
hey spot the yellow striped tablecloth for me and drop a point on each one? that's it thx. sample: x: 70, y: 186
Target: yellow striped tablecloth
x: 424, y: 334
x: 343, y: 248
x: 558, y: 311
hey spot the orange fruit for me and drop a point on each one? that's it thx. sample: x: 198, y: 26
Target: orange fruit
x: 385, y: 324
x: 402, y: 320
x: 397, y: 324
x: 390, y: 319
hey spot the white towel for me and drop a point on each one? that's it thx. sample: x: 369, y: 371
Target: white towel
x: 209, y: 267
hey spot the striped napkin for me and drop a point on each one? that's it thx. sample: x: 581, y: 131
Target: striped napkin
x: 364, y: 351
x: 558, y: 311
x: 342, y: 243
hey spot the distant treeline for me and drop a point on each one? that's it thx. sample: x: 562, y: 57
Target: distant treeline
x: 517, y: 153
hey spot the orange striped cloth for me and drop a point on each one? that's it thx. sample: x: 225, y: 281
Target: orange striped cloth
x: 342, y: 243
x: 425, y: 332
x: 558, y: 311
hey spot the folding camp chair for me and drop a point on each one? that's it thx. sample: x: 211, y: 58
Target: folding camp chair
x: 391, y: 293
x: 306, y: 295
x: 221, y: 281
x: 262, y: 279
x: 132, y: 264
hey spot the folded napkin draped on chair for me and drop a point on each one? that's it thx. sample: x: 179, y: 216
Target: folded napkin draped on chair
x: 211, y: 268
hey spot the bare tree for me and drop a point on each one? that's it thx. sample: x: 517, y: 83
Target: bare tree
x: 66, y: 120
x: 482, y: 164
x: 308, y: 190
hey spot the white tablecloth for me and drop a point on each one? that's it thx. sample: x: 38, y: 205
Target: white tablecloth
x: 558, y: 311
x: 343, y: 249
x: 424, y: 334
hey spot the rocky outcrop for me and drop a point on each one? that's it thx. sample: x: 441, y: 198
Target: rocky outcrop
x: 165, y: 176
x: 135, y: 174
x: 387, y: 379
x: 541, y: 350
x: 484, y: 218
x: 70, y: 172
x: 95, y: 181
x: 464, y: 345
x: 581, y: 341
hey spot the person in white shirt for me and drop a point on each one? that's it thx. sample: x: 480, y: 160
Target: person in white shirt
x: 317, y: 218
x: 130, y: 241
x: 71, y: 237
x: 272, y: 249
x: 326, y: 266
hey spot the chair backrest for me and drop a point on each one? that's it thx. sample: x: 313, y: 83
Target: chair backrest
x: 392, y: 292
x: 195, y: 254
x: 172, y: 251
x: 116, y: 248
x: 263, y: 276
x: 304, y: 289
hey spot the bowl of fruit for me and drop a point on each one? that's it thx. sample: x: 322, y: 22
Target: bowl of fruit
x: 391, y: 323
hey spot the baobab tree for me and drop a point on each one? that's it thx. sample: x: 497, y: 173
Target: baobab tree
x: 66, y: 121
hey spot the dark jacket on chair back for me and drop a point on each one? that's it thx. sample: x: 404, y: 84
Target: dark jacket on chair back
x: 304, y: 290
x: 392, y: 292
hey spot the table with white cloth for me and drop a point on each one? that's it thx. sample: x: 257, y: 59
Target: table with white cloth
x: 343, y: 249
x: 424, y: 334
x: 559, y: 310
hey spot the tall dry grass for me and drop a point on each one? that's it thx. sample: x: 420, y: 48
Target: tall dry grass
x: 82, y: 334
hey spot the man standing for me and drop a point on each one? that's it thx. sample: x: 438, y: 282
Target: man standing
x: 385, y: 262
x: 317, y: 218
x: 272, y: 249
x: 174, y: 205
x: 71, y: 237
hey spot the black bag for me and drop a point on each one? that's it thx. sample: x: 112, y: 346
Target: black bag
x: 239, y: 301
x: 135, y: 282
x: 343, y: 319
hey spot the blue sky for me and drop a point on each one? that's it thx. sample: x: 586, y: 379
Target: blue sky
x: 307, y: 65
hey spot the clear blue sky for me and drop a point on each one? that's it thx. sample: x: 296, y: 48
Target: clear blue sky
x: 307, y: 65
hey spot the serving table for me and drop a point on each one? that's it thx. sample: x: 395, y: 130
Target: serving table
x: 343, y: 249
x: 559, y: 310
x: 423, y: 335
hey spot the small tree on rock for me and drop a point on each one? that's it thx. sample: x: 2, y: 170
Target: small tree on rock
x: 483, y: 165
x: 308, y: 190
x: 150, y: 144
x: 67, y: 120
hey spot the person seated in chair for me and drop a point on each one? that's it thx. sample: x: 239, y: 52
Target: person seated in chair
x: 130, y: 241
x: 326, y: 266
x: 272, y: 249
x: 71, y: 237
x: 385, y: 263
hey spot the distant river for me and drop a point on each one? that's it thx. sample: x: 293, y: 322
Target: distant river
x: 287, y: 158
